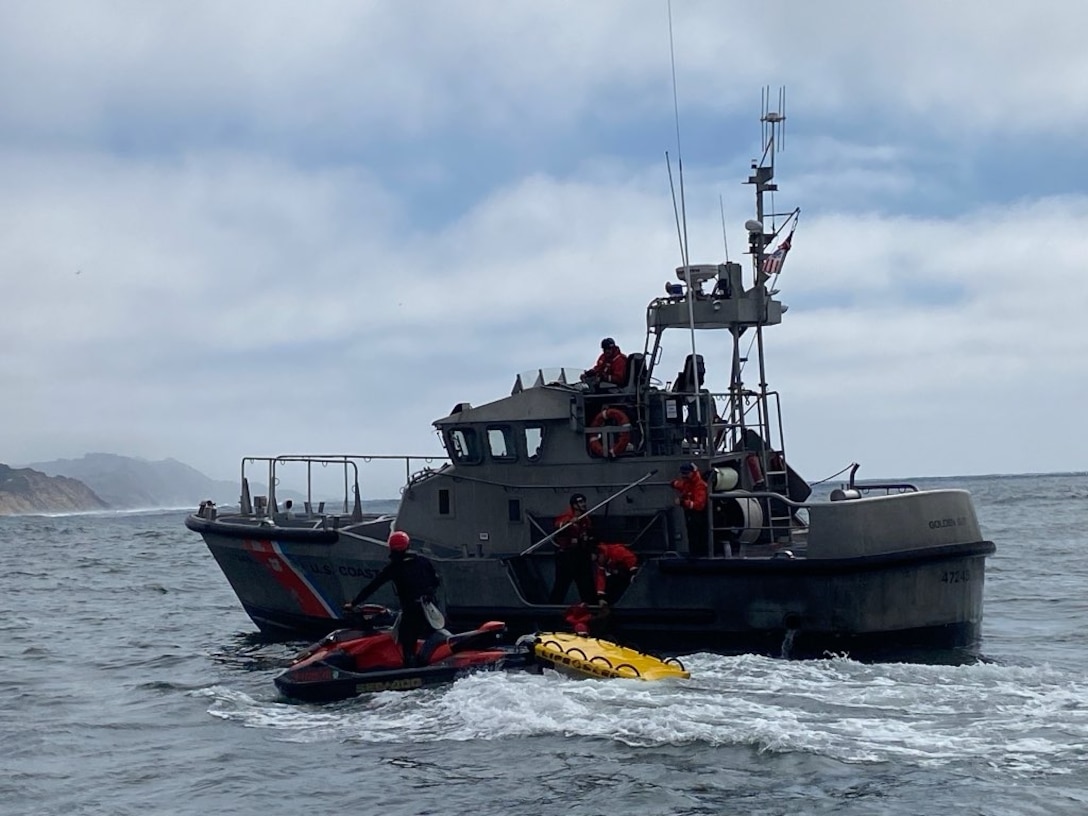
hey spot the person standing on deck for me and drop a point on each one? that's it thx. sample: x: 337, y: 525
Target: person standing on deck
x: 692, y: 497
x: 574, y: 560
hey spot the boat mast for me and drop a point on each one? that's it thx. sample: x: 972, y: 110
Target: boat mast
x: 729, y: 305
x: 773, y: 122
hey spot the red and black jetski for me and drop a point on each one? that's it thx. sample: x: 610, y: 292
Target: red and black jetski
x: 367, y: 658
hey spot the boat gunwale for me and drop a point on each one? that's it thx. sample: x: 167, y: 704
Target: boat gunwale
x: 802, y: 564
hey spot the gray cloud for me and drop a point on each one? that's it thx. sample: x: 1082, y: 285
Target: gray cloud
x: 248, y: 229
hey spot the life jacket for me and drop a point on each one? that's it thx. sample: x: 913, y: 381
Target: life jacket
x: 612, y: 559
x: 611, y: 369
x: 578, y: 617
x: 692, y: 491
x: 615, y: 557
x: 578, y: 534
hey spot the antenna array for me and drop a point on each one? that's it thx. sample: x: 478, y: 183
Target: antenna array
x: 774, y: 121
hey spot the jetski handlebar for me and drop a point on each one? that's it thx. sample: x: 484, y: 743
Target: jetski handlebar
x: 368, y: 616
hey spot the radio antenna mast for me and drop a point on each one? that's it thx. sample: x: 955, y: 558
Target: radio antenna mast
x: 683, y: 210
x: 679, y: 154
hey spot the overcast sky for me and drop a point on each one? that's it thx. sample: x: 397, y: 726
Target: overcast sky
x: 269, y: 227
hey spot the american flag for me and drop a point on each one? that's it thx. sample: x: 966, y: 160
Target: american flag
x: 772, y: 264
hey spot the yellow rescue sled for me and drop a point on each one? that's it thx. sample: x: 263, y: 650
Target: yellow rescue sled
x: 591, y: 657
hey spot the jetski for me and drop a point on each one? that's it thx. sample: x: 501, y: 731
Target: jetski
x: 584, y: 656
x: 367, y: 658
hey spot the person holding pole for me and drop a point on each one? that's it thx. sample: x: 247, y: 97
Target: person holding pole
x: 574, y: 540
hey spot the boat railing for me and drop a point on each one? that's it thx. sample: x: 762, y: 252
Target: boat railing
x: 838, y: 494
x: 853, y: 490
x: 707, y: 421
x: 858, y: 491
x: 761, y: 494
x: 350, y: 501
x: 780, y: 518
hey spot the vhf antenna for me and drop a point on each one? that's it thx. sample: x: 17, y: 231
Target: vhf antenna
x: 774, y: 122
x: 774, y: 140
x: 682, y: 227
x: 682, y: 218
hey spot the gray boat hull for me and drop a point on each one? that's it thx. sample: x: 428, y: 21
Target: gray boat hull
x: 837, y: 597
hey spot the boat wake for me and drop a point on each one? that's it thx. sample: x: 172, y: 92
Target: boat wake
x: 1021, y: 720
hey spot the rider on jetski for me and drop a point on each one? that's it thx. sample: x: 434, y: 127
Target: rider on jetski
x: 415, y: 582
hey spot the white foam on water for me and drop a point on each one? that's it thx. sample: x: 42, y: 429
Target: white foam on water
x: 1020, y: 719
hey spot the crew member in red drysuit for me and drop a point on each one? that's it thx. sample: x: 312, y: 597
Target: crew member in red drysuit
x: 692, y: 496
x: 616, y: 565
x: 611, y: 366
x: 574, y: 560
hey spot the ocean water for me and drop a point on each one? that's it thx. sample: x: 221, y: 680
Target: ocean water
x: 133, y: 683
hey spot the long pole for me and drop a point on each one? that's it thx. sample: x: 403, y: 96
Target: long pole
x: 595, y: 507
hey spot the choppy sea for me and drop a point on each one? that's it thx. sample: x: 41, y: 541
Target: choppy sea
x: 131, y: 682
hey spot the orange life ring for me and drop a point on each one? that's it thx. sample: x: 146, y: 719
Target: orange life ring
x: 596, y: 442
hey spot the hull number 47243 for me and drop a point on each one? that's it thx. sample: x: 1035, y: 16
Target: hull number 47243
x: 956, y: 576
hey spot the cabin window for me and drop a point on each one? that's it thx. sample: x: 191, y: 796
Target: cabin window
x: 513, y: 509
x: 501, y: 443
x: 445, y: 506
x: 462, y: 445
x: 534, y: 442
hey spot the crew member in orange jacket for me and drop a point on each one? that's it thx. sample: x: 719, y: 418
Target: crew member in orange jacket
x: 692, y: 497
x: 574, y: 560
x: 616, y: 565
x: 611, y: 366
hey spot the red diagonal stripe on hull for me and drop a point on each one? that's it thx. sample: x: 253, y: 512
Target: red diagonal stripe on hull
x: 285, y: 574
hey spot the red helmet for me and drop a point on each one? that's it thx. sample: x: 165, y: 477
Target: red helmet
x: 398, y: 541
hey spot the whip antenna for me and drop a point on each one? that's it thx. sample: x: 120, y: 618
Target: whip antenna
x: 675, y: 211
x: 683, y: 210
x: 725, y: 237
x: 679, y: 154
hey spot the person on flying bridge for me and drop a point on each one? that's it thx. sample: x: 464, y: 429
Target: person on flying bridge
x: 415, y: 582
x: 611, y: 366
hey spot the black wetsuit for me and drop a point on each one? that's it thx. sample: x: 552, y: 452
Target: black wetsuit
x: 414, y: 580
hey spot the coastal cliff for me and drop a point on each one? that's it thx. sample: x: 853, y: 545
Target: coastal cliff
x: 26, y: 491
x: 128, y: 483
